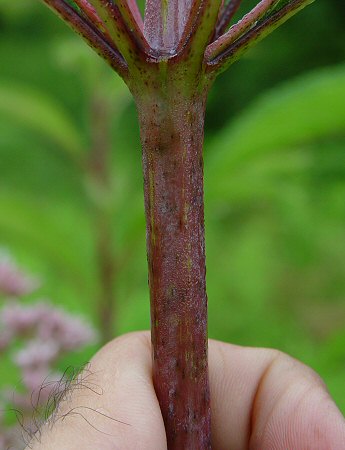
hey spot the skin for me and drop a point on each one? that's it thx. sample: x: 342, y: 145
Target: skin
x: 261, y: 399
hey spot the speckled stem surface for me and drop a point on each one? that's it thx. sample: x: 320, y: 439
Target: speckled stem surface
x: 172, y: 139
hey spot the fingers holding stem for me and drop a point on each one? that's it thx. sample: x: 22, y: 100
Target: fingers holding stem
x: 260, y: 399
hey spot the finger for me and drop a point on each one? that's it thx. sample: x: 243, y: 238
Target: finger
x: 114, y: 406
x: 263, y: 399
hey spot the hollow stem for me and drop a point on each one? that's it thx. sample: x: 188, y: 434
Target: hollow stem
x: 172, y: 139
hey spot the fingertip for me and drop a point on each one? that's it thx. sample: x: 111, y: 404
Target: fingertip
x: 129, y: 349
x: 293, y: 409
x: 264, y: 399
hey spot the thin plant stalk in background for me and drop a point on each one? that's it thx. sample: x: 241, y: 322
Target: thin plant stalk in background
x: 169, y: 61
x: 91, y: 161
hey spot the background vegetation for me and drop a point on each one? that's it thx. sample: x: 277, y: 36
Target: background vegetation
x: 72, y: 213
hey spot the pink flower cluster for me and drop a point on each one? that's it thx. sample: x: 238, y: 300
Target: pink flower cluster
x: 13, y: 282
x: 46, y: 323
x: 35, y: 337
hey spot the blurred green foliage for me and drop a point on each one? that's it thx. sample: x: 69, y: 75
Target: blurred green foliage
x: 274, y: 183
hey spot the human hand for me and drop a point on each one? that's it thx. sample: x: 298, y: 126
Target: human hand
x: 260, y: 400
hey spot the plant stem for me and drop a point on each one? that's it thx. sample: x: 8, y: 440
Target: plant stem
x: 99, y: 173
x: 172, y: 139
x: 169, y: 62
x: 106, y: 265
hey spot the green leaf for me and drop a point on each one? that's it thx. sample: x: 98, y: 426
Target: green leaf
x: 290, y: 116
x: 58, y: 233
x: 33, y: 109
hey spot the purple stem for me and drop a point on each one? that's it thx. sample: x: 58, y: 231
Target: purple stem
x: 219, y: 61
x: 227, y: 13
